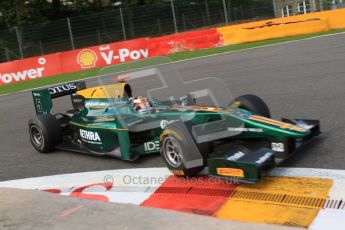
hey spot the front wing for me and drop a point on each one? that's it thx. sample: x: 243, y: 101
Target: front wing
x: 250, y: 166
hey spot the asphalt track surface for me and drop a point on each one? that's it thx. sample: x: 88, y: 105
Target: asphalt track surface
x: 304, y: 79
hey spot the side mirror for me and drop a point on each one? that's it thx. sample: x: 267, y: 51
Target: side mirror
x: 187, y: 100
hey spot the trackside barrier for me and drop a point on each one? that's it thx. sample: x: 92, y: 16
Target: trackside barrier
x: 120, y: 52
x: 108, y: 54
x: 274, y: 30
x: 282, y: 27
x: 30, y: 68
x: 185, y: 42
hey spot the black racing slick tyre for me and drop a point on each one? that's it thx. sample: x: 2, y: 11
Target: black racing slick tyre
x: 175, y: 143
x: 253, y: 103
x: 45, y: 133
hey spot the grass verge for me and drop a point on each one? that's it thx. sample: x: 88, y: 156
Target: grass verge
x: 20, y: 86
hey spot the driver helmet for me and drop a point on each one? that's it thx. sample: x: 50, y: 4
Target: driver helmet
x: 141, y: 104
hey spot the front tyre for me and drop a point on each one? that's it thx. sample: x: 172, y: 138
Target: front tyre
x: 45, y: 133
x: 175, y: 143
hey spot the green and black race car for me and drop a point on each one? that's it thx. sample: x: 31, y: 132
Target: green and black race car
x: 238, y: 141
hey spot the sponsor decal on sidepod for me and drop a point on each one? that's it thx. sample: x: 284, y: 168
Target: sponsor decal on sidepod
x: 90, y: 137
x: 151, y: 146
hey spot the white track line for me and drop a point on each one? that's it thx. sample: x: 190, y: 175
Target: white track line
x: 186, y: 60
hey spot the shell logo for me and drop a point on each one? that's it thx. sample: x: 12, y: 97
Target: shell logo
x: 87, y: 59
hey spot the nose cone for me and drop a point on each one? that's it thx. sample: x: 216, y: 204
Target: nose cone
x: 279, y: 128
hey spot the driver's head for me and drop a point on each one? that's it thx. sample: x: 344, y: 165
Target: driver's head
x: 141, y: 104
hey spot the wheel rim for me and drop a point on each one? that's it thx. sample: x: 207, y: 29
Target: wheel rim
x: 172, y: 152
x: 36, y: 136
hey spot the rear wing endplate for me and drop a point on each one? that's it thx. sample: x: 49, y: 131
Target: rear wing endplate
x: 43, y: 97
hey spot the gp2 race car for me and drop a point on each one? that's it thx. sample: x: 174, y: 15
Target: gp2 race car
x: 238, y: 141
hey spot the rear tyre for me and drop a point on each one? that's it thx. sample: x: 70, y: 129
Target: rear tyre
x: 45, y: 133
x: 175, y: 143
x: 253, y: 104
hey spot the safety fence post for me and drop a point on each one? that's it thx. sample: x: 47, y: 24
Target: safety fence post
x: 174, y: 15
x: 123, y: 25
x: 20, y: 42
x: 225, y: 13
x: 70, y: 33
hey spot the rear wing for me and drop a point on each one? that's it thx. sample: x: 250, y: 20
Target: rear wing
x: 43, y: 97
